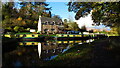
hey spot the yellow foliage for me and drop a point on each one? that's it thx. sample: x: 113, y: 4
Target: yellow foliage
x: 23, y: 23
x: 19, y: 19
x: 35, y: 22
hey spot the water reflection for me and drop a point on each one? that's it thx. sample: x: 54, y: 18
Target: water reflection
x: 32, y: 53
x: 49, y: 49
x: 39, y: 49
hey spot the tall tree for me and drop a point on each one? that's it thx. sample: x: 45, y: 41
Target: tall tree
x: 25, y: 17
x: 30, y: 11
x: 8, y: 14
x: 102, y: 12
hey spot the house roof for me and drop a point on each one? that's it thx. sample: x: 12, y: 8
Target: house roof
x: 45, y: 19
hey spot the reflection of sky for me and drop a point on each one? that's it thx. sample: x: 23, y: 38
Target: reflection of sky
x: 66, y: 49
x: 17, y: 64
x: 50, y: 58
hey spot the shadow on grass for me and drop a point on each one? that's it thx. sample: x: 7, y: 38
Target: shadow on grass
x: 104, y: 52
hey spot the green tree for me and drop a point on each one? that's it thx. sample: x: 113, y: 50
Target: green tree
x: 56, y: 16
x: 73, y: 26
x: 102, y: 12
x: 83, y: 29
x: 8, y: 14
x: 30, y: 12
x: 65, y: 21
x: 24, y: 17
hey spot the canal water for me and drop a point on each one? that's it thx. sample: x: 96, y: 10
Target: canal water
x: 32, y: 53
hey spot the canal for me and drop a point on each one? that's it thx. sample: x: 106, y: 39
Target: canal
x: 34, y: 53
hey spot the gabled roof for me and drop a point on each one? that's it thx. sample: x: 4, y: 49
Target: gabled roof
x: 45, y: 19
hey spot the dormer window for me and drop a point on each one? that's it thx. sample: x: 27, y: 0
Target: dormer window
x: 54, y: 23
x: 51, y: 23
x: 46, y: 23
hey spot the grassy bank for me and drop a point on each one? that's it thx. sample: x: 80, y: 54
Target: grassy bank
x: 103, y: 52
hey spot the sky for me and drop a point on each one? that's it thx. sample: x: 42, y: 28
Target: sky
x: 61, y: 9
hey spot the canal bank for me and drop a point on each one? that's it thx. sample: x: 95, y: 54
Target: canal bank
x: 100, y: 53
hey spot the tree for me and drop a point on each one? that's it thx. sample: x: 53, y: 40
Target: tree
x: 65, y: 21
x: 73, y: 26
x: 83, y: 29
x: 102, y: 12
x: 90, y: 31
x: 50, y: 15
x: 57, y: 16
x: 24, y: 17
x: 30, y: 11
x: 115, y: 31
x: 8, y: 14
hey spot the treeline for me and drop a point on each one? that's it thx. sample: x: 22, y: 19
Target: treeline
x: 21, y: 16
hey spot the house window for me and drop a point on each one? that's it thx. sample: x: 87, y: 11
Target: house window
x: 46, y: 23
x: 43, y: 23
x: 45, y: 44
x: 45, y: 30
x: 51, y: 23
x: 54, y: 22
x: 52, y: 29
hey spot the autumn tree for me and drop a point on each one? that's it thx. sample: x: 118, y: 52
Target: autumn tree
x: 9, y: 13
x: 30, y: 12
x: 26, y: 16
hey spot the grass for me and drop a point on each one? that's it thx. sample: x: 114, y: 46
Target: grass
x: 47, y: 35
x: 25, y: 33
x: 71, y: 57
x: 103, y: 52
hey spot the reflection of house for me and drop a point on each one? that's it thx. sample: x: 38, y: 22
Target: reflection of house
x: 51, y: 25
x: 50, y: 45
